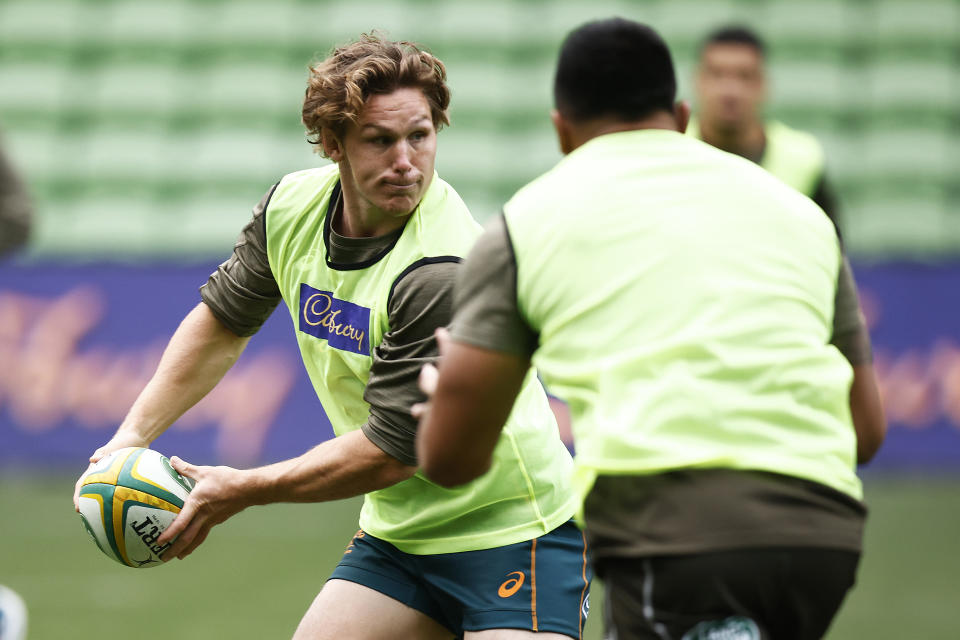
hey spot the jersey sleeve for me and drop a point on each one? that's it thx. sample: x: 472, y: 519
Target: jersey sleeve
x: 487, y: 312
x: 850, y: 333
x: 420, y: 303
x: 242, y: 292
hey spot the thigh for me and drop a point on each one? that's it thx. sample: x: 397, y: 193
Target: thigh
x: 388, y: 573
x: 345, y: 609
x: 751, y: 593
x: 819, y: 581
x: 540, y: 585
x: 512, y: 634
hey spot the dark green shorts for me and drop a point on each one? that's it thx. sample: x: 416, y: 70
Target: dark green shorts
x: 539, y: 585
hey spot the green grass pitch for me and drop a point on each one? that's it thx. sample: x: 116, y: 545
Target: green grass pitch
x: 255, y: 575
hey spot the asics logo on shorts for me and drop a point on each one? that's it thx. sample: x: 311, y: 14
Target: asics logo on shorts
x: 358, y: 534
x: 511, y: 585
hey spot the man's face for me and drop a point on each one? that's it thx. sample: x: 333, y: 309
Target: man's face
x: 386, y: 158
x: 730, y: 86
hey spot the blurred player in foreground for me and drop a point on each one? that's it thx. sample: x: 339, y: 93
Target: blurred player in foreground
x: 731, y: 89
x: 699, y: 317
x: 364, y: 253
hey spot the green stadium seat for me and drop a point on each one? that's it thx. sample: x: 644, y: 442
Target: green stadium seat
x: 46, y: 21
x: 149, y: 112
x: 31, y: 86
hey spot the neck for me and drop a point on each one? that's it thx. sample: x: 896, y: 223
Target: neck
x: 748, y: 142
x: 352, y: 220
x: 583, y: 132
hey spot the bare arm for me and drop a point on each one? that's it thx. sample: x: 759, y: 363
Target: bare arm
x: 850, y: 336
x: 198, y: 355
x: 482, y: 368
x: 346, y: 466
x: 378, y: 455
x: 475, y: 392
x: 869, y: 422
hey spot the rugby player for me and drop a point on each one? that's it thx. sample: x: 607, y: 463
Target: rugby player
x: 700, y: 319
x: 363, y: 252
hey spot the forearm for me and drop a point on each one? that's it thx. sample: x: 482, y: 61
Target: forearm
x: 343, y: 467
x: 474, y: 395
x: 866, y: 409
x: 198, y: 355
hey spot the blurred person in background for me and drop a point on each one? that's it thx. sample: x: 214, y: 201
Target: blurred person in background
x: 16, y: 211
x: 700, y: 319
x: 731, y: 94
x: 364, y: 252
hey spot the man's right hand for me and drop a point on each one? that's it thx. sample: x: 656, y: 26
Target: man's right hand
x: 119, y: 441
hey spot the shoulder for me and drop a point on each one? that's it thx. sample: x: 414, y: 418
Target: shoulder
x: 442, y: 224
x: 442, y: 194
x: 426, y: 274
x: 796, y: 140
x: 328, y: 173
x: 443, y: 205
x: 425, y: 287
x: 297, y: 193
x: 546, y: 191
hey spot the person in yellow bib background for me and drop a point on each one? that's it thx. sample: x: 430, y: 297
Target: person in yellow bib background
x: 363, y: 252
x: 731, y: 95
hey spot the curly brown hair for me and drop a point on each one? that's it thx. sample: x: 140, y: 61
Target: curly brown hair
x: 339, y: 86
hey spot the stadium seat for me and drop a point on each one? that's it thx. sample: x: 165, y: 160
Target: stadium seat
x: 116, y: 109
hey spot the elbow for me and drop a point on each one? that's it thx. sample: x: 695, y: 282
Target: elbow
x: 869, y: 441
x: 866, y: 409
x: 451, y: 474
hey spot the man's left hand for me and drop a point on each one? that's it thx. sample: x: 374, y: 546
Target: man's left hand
x: 217, y: 495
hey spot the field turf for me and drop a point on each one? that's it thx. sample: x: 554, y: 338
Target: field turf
x: 256, y: 574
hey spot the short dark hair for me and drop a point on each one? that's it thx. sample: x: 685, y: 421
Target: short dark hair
x: 614, y: 68
x: 735, y: 34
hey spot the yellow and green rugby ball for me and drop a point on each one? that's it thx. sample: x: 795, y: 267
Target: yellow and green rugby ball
x: 127, y: 499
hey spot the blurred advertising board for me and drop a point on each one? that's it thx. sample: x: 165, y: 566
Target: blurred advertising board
x: 79, y: 341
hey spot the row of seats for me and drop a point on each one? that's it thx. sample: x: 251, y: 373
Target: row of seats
x: 155, y: 113
x: 269, y: 90
x: 496, y: 22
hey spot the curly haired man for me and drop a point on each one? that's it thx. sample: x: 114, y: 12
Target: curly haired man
x: 364, y: 252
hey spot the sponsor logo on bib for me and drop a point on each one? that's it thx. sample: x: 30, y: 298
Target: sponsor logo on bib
x: 344, y: 325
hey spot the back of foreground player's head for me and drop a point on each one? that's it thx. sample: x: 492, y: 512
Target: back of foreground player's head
x: 339, y: 86
x: 614, y: 68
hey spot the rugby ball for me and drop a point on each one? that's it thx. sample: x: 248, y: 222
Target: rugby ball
x: 127, y: 499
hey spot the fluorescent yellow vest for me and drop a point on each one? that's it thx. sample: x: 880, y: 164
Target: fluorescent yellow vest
x: 684, y: 300
x: 795, y: 157
x: 340, y: 317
